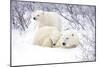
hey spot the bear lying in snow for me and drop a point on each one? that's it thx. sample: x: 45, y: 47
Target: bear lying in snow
x: 46, y: 36
x: 68, y: 39
x: 44, y: 18
x: 50, y: 37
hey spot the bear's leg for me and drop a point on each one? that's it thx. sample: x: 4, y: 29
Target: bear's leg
x: 47, y: 43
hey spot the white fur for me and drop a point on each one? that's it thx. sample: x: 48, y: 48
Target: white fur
x: 46, y: 36
x: 70, y: 39
x: 44, y: 18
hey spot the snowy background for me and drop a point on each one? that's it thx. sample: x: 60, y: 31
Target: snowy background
x: 80, y: 18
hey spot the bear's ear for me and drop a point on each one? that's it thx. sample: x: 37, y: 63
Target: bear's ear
x: 41, y: 12
x: 38, y: 11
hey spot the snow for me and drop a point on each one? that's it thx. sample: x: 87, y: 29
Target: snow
x: 24, y: 52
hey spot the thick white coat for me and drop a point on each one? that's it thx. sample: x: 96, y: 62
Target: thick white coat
x: 45, y: 18
x: 70, y: 39
x: 46, y: 36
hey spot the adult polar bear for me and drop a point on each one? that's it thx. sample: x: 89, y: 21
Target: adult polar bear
x: 46, y: 36
x: 45, y: 18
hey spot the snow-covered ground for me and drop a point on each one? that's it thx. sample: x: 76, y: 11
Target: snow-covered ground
x: 24, y: 52
x: 79, y: 18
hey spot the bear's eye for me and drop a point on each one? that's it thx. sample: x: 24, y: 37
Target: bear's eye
x: 67, y: 38
x: 72, y: 34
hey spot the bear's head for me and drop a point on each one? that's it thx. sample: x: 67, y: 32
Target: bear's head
x: 68, y: 39
x: 37, y: 15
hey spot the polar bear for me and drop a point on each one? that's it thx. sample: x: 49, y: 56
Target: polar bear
x: 46, y: 36
x: 45, y: 18
x: 68, y: 39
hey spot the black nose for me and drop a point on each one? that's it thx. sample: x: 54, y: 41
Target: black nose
x: 34, y: 18
x: 54, y: 44
x: 64, y: 44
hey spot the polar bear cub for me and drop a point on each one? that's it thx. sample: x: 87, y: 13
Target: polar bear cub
x: 45, y: 18
x: 46, y: 36
x: 68, y: 39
